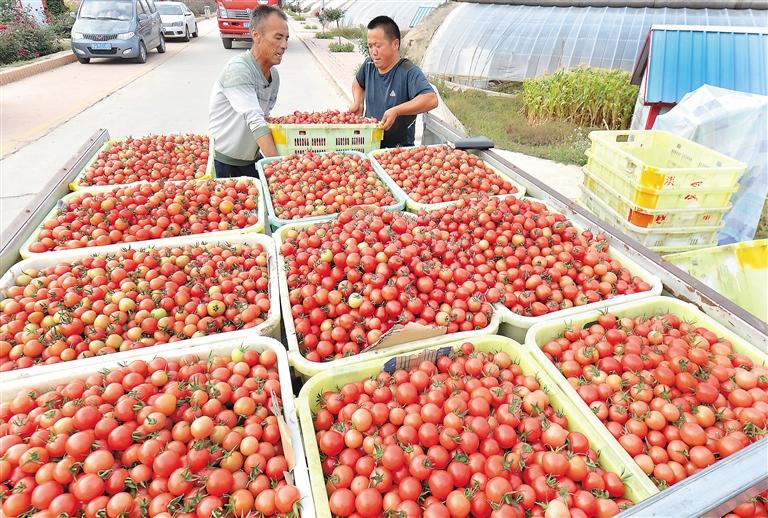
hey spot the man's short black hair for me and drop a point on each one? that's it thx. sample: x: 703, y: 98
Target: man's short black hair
x: 262, y: 12
x: 386, y: 24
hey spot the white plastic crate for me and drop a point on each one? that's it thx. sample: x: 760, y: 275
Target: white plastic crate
x: 306, y: 369
x: 75, y: 185
x: 215, y: 346
x: 659, y: 239
x: 277, y: 222
x: 415, y: 206
x: 516, y: 326
x: 270, y: 327
x: 25, y: 252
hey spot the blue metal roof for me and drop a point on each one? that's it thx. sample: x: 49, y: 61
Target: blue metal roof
x: 680, y: 59
x: 421, y: 13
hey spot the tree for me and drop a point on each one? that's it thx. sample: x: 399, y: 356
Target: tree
x: 56, y: 8
x: 332, y: 15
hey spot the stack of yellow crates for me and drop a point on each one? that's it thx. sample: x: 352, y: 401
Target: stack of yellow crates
x: 666, y: 192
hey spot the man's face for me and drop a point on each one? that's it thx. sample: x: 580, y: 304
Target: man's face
x: 383, y: 50
x: 271, y: 40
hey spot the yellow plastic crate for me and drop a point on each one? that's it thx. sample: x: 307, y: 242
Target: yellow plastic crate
x: 541, y: 334
x: 738, y: 271
x: 652, y: 218
x: 664, y: 198
x: 659, y: 239
x: 612, y: 456
x: 297, y: 138
x: 659, y: 159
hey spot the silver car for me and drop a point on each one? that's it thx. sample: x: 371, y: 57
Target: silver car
x: 116, y: 29
x: 178, y: 21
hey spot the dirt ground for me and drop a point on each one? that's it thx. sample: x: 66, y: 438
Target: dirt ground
x: 417, y: 40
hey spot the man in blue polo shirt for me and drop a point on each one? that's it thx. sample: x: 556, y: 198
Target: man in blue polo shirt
x: 391, y: 88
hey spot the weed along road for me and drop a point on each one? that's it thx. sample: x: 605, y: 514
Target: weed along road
x: 47, y: 116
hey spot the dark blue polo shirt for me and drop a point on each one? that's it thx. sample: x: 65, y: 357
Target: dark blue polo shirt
x: 401, y: 84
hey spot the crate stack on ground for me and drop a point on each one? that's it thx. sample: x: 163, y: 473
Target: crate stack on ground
x: 668, y: 193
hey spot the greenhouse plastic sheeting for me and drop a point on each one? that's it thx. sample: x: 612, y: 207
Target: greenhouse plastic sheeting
x: 481, y: 42
x: 360, y: 12
x: 733, y: 123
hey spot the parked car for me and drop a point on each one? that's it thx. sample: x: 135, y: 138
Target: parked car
x: 117, y: 29
x: 178, y: 21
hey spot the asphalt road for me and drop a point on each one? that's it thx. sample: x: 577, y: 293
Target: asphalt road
x: 44, y: 119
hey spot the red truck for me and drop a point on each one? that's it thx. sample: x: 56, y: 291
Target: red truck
x: 235, y: 18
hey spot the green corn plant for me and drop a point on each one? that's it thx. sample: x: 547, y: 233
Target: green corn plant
x: 587, y: 97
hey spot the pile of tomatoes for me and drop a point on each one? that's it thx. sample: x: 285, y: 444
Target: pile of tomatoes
x: 193, y: 438
x: 677, y: 397
x: 147, y: 211
x: 312, y: 184
x: 353, y: 279
x: 151, y: 158
x: 131, y: 299
x: 435, y: 174
x: 528, y: 258
x: 469, y: 434
x: 326, y: 117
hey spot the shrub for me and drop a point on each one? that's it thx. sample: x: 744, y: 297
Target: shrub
x: 587, y: 97
x: 324, y: 35
x: 351, y: 33
x: 61, y: 25
x: 21, y: 38
x: 23, y: 42
x: 198, y: 6
x: 293, y: 7
x: 57, y: 7
x: 341, y: 47
x: 298, y: 17
x: 362, y: 45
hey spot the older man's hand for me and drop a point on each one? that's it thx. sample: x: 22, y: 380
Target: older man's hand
x: 357, y: 109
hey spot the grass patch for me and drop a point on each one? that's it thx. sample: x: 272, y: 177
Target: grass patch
x: 298, y: 17
x: 503, y: 120
x: 350, y: 33
x: 341, y: 47
x: 310, y: 27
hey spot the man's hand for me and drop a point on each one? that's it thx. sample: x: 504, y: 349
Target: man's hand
x: 389, y: 117
x: 357, y: 109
